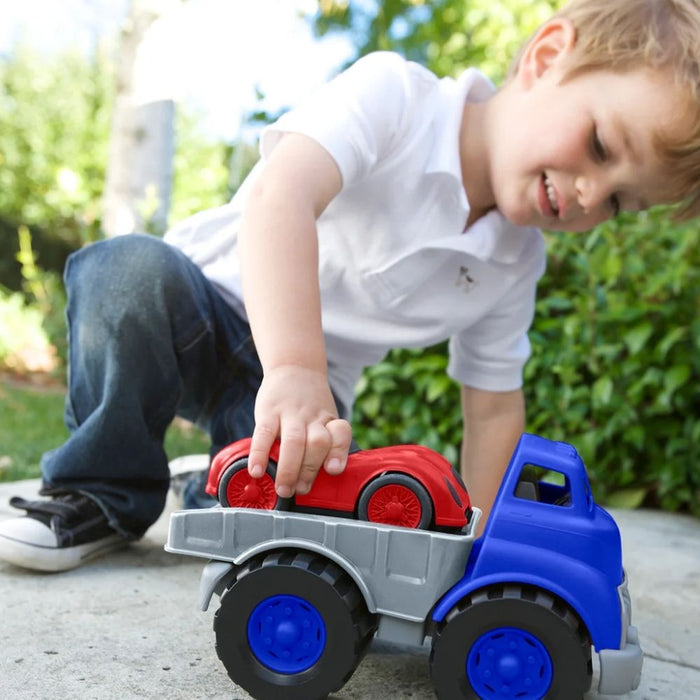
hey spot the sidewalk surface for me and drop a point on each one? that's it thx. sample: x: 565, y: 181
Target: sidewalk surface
x: 128, y: 626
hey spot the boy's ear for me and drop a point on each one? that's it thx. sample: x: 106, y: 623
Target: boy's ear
x: 550, y: 45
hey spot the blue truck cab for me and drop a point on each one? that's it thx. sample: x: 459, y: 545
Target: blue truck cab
x: 546, y: 532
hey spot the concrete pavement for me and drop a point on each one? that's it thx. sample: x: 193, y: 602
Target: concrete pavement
x: 128, y: 626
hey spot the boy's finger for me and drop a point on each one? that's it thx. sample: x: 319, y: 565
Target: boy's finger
x: 264, y: 434
x: 292, y: 445
x: 318, y: 445
x: 341, y: 437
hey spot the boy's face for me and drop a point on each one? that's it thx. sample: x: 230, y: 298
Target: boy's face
x: 570, y: 153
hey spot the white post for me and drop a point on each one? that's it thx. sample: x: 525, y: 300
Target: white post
x: 139, y: 171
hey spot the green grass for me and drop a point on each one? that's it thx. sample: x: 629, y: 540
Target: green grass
x: 31, y: 422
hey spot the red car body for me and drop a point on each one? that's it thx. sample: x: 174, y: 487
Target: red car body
x: 340, y: 494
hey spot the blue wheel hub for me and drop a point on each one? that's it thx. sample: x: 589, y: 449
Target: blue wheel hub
x: 286, y: 633
x: 508, y: 662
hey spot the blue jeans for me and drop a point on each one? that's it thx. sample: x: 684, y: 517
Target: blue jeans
x: 149, y: 338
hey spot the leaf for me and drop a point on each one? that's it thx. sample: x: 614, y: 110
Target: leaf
x: 626, y: 498
x: 371, y: 405
x: 669, y: 340
x: 557, y: 303
x: 637, y: 337
x: 612, y: 267
x: 602, y: 391
x: 635, y: 436
x: 676, y: 377
x: 439, y: 386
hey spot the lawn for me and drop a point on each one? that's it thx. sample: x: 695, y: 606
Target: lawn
x: 31, y: 422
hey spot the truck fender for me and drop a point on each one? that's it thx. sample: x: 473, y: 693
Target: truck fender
x: 464, y: 588
x: 216, y: 571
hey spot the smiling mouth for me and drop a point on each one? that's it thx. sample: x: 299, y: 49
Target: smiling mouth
x: 551, y: 195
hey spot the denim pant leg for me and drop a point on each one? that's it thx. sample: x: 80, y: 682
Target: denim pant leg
x: 149, y: 337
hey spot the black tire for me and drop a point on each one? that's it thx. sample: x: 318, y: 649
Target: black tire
x: 255, y: 660
x: 511, y: 637
x: 421, y: 500
x: 267, y: 481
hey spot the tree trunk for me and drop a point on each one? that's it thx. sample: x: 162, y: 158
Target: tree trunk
x: 139, y: 171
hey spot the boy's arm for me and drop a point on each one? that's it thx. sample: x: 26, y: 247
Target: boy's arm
x: 279, y: 266
x: 493, y: 422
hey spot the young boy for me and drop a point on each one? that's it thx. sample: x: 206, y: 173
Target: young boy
x: 392, y: 209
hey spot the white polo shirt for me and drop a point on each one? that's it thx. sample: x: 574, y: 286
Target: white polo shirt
x: 396, y: 267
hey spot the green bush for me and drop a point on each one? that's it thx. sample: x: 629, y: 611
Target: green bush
x: 616, y: 361
x: 55, y: 116
x: 24, y: 344
x: 408, y: 398
x: 615, y: 366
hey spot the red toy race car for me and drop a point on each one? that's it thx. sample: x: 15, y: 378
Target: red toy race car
x: 406, y: 485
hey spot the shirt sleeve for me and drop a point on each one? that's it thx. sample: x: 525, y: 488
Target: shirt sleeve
x: 358, y: 116
x: 490, y: 355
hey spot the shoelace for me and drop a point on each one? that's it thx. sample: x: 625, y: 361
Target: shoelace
x: 65, y: 506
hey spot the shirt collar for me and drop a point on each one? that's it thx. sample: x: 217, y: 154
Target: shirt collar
x: 452, y: 93
x: 494, y: 237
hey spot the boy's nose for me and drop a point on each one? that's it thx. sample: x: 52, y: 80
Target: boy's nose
x: 591, y: 194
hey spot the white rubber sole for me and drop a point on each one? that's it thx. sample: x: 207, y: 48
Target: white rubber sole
x: 188, y: 464
x: 55, y: 559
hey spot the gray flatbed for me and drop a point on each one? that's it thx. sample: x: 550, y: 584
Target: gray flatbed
x: 400, y: 572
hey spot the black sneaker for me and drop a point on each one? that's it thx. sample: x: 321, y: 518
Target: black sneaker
x: 57, y: 534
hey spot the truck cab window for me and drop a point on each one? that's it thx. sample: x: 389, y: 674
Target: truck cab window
x: 543, y: 485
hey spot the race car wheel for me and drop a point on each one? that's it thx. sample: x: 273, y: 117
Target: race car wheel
x: 511, y: 641
x: 292, y: 625
x: 396, y: 499
x: 237, y: 489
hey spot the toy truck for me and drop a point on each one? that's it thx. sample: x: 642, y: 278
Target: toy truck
x: 513, y: 613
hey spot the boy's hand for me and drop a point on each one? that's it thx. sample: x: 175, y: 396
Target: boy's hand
x: 295, y: 404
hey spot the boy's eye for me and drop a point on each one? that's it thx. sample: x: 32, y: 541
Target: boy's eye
x: 615, y: 204
x: 598, y: 147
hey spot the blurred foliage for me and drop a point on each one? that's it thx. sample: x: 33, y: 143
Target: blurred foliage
x: 32, y: 326
x: 23, y: 339
x: 31, y: 422
x: 408, y: 398
x: 44, y: 289
x: 444, y: 35
x: 54, y: 127
x: 616, y: 357
x: 200, y: 169
x: 54, y: 122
